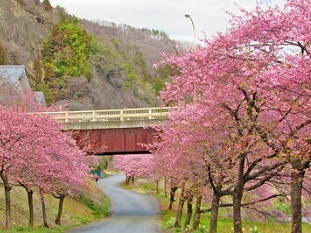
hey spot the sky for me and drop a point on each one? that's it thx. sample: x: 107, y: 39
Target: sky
x: 208, y: 16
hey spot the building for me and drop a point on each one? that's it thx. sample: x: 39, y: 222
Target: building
x: 15, y: 82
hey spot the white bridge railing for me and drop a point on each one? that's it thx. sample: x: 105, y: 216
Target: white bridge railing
x: 137, y: 114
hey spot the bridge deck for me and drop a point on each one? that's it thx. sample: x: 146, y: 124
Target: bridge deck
x: 114, y: 118
x: 116, y: 131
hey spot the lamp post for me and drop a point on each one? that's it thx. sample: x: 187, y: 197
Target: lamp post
x: 194, y: 34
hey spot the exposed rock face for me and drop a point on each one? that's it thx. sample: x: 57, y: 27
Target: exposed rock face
x: 20, y: 32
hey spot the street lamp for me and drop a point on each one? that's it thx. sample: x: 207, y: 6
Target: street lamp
x: 194, y: 36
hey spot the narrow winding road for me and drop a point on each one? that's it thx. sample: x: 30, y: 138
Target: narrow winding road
x: 131, y: 212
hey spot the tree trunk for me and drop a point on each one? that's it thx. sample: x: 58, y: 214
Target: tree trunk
x: 237, y: 197
x: 127, y: 180
x: 7, y: 195
x: 44, y: 216
x: 165, y: 187
x: 237, y: 218
x: 60, y: 209
x: 172, y: 197
x: 197, y: 212
x: 214, y: 213
x: 180, y: 208
x: 296, y: 205
x: 157, y: 186
x: 30, y: 206
x: 7, y: 191
x: 189, y: 211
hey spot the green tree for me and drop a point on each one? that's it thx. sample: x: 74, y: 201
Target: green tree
x: 66, y: 53
x: 38, y: 71
x: 2, y: 55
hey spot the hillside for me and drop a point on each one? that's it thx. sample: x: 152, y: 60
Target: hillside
x: 83, y: 64
x: 90, y: 207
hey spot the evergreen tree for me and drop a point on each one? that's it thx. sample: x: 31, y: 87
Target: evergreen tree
x: 2, y: 55
x: 38, y: 71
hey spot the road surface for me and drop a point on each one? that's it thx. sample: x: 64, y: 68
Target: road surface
x: 131, y: 212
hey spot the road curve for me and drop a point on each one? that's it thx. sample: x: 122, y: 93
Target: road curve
x: 131, y: 212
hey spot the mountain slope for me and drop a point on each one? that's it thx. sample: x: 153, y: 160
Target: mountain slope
x: 121, y: 75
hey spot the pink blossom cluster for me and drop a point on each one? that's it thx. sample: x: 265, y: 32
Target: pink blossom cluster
x: 134, y: 165
x: 244, y: 121
x: 34, y: 152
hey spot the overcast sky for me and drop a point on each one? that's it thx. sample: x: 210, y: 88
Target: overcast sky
x: 168, y: 16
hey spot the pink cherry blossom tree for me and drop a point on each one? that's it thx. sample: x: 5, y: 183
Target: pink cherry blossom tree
x: 199, y: 153
x: 68, y: 167
x: 70, y: 175
x: 13, y: 139
x: 255, y: 76
x: 34, y: 153
x: 133, y: 165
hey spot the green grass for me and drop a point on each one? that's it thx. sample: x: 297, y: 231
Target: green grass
x: 38, y: 229
x: 225, y: 225
x: 100, y: 210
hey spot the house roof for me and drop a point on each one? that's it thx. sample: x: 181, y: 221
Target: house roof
x: 13, y: 73
x: 17, y: 76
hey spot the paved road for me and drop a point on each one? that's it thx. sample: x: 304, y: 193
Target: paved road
x: 131, y: 212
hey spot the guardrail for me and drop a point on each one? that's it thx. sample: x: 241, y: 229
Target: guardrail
x: 137, y: 114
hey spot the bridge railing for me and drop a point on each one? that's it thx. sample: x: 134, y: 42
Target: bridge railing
x: 112, y: 115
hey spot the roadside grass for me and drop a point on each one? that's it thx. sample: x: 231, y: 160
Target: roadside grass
x: 39, y: 229
x: 225, y: 224
x: 90, y: 206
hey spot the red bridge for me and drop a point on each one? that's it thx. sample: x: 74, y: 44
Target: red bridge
x: 117, y: 131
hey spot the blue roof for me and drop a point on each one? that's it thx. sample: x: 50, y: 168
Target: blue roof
x: 12, y: 73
